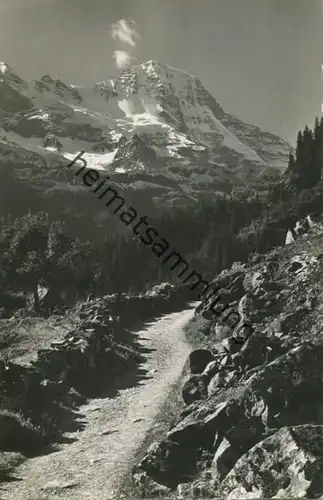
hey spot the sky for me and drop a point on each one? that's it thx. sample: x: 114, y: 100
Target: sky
x: 260, y: 59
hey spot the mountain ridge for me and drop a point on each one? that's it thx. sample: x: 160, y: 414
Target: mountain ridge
x: 187, y: 136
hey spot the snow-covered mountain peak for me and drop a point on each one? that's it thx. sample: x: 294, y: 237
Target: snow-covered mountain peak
x: 152, y: 119
x: 156, y: 95
x: 157, y: 67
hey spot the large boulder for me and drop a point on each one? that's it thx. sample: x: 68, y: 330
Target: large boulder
x: 288, y: 464
x: 194, y: 389
x: 168, y: 464
x: 199, y: 359
x: 211, y: 369
x: 224, y: 459
x: 222, y: 379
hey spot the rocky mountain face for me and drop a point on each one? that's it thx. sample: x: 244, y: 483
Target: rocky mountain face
x: 252, y: 423
x: 153, y: 127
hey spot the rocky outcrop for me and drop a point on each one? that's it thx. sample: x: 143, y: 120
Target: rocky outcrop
x: 131, y: 311
x: 289, y: 463
x: 301, y: 227
x: 195, y: 388
x: 50, y: 140
x: 253, y: 421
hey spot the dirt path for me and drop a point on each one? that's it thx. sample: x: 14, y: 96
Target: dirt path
x: 91, y: 467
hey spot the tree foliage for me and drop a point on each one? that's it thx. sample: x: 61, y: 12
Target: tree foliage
x: 36, y: 252
x: 307, y: 166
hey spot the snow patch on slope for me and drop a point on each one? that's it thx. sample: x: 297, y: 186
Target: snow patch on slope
x: 44, y: 116
x: 3, y: 67
x: 77, y: 109
x: 232, y: 142
x: 141, y: 123
x: 94, y: 160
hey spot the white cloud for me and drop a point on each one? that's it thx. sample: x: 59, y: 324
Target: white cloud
x: 122, y: 58
x: 125, y: 31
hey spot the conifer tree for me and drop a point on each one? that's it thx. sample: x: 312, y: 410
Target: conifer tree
x: 291, y: 162
x: 309, y: 156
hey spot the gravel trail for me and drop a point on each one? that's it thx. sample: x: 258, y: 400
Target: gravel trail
x: 91, y: 467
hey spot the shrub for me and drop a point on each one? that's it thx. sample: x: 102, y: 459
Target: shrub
x: 18, y: 434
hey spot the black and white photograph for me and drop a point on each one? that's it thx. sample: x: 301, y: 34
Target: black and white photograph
x: 161, y: 249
